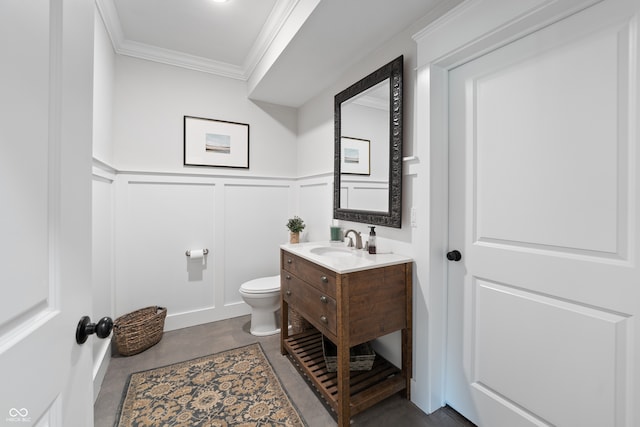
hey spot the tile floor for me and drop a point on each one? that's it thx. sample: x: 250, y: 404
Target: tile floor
x: 196, y: 341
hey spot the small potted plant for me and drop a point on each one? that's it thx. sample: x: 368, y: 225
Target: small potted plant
x: 295, y: 226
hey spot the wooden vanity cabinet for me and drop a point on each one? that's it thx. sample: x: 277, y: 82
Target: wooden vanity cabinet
x: 349, y: 309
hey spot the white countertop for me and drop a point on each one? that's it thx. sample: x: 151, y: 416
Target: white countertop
x: 337, y: 257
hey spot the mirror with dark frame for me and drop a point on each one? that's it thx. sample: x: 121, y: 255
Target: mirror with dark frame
x: 368, y: 148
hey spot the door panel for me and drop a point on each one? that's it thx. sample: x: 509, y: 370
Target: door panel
x: 544, y: 103
x: 45, y: 186
x: 543, y: 202
x: 29, y: 237
x: 548, y: 339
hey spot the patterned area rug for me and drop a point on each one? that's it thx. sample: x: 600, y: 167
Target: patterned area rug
x: 233, y: 388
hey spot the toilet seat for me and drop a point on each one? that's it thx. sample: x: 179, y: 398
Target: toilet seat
x: 263, y: 285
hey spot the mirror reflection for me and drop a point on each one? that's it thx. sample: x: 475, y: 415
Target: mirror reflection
x: 368, y: 148
x: 364, y: 145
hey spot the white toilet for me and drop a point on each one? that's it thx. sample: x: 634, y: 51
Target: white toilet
x: 263, y: 296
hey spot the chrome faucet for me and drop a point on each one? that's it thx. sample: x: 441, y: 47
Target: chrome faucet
x: 358, y: 238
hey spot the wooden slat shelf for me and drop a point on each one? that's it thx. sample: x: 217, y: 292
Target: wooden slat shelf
x: 366, y: 387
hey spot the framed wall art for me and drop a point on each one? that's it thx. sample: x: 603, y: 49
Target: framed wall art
x: 355, y: 156
x: 217, y: 143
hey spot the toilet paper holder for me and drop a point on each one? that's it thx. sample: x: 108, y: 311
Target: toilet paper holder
x: 204, y: 252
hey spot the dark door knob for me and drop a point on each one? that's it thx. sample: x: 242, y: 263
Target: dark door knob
x: 85, y: 328
x: 454, y: 255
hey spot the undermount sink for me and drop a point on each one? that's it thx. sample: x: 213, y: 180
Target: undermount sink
x: 332, y: 251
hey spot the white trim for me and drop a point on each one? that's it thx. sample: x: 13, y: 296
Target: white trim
x: 106, y: 171
x: 109, y: 16
x: 180, y: 59
x: 206, y: 315
x: 478, y: 26
x: 97, y: 163
x: 100, y: 366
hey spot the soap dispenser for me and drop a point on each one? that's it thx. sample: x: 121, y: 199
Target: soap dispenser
x: 372, y: 240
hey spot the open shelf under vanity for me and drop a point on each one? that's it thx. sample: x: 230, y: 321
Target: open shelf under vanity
x: 366, y: 387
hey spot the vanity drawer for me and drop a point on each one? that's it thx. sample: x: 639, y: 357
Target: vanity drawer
x: 315, y: 306
x: 320, y: 278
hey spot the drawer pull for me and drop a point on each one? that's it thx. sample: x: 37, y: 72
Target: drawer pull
x: 324, y: 299
x: 324, y: 279
x: 324, y: 319
x: 289, y: 261
x: 288, y: 277
x: 288, y: 292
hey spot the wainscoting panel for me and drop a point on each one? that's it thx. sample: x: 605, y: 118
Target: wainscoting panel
x: 162, y: 219
x: 316, y: 207
x: 255, y: 216
x: 364, y: 194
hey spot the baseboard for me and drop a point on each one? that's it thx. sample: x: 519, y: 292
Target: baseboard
x: 207, y: 315
x: 100, y: 365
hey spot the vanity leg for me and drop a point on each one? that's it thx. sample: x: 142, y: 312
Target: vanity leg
x: 284, y: 307
x: 344, y: 398
x: 284, y: 324
x: 407, y: 333
x: 406, y: 363
x: 344, y: 393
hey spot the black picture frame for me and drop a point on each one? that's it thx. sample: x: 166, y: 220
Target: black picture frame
x: 215, y: 143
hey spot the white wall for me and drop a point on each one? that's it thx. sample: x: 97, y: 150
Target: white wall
x: 151, y: 100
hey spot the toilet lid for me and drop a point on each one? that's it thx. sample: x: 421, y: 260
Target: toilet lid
x: 262, y: 285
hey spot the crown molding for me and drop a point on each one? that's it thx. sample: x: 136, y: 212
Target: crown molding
x: 109, y: 16
x: 274, y: 23
x: 180, y: 59
x: 373, y: 102
x: 276, y: 20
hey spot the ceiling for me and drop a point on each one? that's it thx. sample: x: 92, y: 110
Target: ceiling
x: 287, y: 50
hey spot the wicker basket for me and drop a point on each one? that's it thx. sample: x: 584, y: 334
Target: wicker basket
x: 297, y: 322
x: 361, y: 357
x: 137, y: 331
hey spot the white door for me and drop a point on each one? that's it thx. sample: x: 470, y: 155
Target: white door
x: 544, y: 208
x: 45, y: 211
